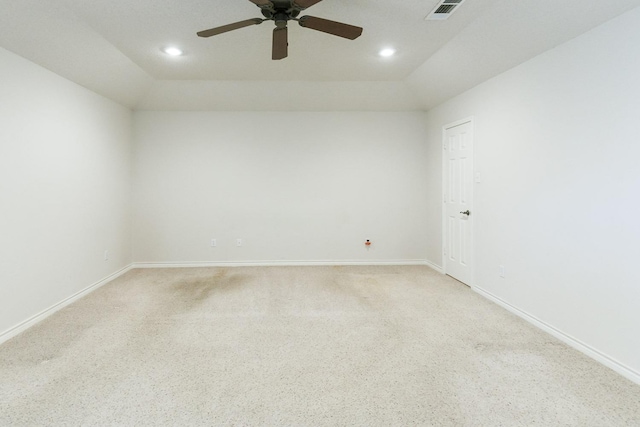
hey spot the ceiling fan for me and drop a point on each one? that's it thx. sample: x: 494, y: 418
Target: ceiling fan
x: 281, y: 12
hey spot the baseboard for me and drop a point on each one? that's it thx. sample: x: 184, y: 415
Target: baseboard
x: 606, y: 360
x: 276, y: 263
x: 434, y: 266
x: 21, y: 327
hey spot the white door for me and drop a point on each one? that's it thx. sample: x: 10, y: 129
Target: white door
x: 458, y: 198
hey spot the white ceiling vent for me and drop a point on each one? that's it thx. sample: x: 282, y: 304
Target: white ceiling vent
x: 444, y: 10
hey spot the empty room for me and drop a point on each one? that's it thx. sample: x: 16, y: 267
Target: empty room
x: 319, y: 213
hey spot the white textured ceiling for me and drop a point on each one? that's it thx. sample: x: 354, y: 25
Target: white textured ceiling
x: 114, y: 48
x: 140, y: 28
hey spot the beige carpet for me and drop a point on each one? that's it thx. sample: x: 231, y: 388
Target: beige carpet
x: 300, y: 346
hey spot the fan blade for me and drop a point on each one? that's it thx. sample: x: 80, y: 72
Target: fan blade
x: 331, y: 27
x: 262, y: 3
x: 304, y: 4
x: 280, y: 43
x: 229, y: 27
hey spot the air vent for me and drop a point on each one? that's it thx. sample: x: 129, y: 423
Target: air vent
x: 444, y: 10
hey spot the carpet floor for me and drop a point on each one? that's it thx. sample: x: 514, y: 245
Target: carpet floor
x: 300, y: 346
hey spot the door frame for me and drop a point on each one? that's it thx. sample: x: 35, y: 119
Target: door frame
x: 445, y: 178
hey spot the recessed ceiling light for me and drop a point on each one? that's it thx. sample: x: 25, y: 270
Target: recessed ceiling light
x: 172, y: 51
x: 387, y: 52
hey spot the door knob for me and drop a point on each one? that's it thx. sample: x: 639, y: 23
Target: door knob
x: 467, y: 213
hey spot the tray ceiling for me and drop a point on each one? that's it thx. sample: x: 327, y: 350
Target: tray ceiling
x: 114, y: 47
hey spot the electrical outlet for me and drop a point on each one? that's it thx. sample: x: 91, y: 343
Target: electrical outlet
x: 214, y: 243
x: 106, y: 255
x: 501, y: 271
x: 239, y: 242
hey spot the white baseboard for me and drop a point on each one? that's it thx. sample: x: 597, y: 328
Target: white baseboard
x: 21, y: 327
x: 276, y: 263
x: 434, y: 266
x: 606, y: 360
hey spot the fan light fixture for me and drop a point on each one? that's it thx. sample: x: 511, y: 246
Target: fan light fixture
x: 172, y: 51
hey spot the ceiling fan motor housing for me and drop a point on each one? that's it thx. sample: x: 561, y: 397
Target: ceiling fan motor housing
x: 281, y: 18
x: 280, y: 14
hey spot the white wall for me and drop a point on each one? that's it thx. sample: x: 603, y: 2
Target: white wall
x: 64, y: 189
x: 557, y: 144
x: 285, y: 96
x: 294, y: 186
